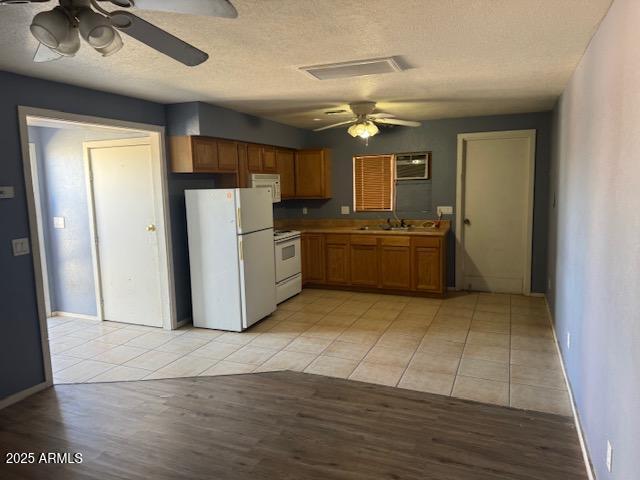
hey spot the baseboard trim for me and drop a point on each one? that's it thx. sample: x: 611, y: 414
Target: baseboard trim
x: 81, y: 316
x: 576, y: 418
x: 16, y: 397
x: 183, y: 322
x: 536, y: 294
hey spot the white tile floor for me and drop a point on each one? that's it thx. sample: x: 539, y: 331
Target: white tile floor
x: 490, y: 348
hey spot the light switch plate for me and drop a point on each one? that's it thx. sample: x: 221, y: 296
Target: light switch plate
x: 7, y: 191
x: 609, y: 456
x: 20, y: 246
x: 344, y: 210
x: 58, y: 222
x: 445, y: 210
x: 305, y: 210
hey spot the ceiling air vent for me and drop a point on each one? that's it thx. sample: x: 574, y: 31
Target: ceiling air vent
x: 358, y: 68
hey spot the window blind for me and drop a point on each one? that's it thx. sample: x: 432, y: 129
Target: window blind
x: 373, y: 183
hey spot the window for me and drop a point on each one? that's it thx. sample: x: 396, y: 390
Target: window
x: 373, y: 183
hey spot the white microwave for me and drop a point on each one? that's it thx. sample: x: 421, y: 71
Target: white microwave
x: 267, y: 180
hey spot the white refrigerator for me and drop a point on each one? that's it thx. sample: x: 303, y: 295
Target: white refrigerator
x: 231, y: 257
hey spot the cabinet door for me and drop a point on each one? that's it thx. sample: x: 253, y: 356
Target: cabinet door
x: 313, y: 175
x: 363, y: 258
x: 227, y: 156
x: 285, y: 167
x: 243, y: 171
x: 427, y: 266
x: 337, y: 257
x: 254, y: 158
x: 395, y: 267
x: 205, y: 154
x: 313, y: 266
x: 269, y: 160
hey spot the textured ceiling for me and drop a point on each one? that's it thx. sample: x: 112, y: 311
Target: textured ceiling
x: 466, y: 57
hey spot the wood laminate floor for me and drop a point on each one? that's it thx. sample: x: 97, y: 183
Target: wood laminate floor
x: 282, y: 425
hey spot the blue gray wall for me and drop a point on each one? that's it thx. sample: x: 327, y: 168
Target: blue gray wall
x: 21, y: 363
x: 197, y: 118
x: 594, y: 246
x: 63, y: 193
x: 420, y: 199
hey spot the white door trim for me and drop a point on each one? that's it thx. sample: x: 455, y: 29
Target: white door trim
x: 462, y: 138
x: 33, y: 159
x: 157, y: 135
x: 161, y: 225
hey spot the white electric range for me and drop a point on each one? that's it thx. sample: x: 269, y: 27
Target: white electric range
x: 288, y: 264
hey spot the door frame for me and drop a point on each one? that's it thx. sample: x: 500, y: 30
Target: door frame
x: 459, y: 209
x: 93, y: 226
x: 157, y: 137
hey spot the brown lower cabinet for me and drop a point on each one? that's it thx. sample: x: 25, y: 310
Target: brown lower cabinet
x: 313, y: 265
x: 397, y: 263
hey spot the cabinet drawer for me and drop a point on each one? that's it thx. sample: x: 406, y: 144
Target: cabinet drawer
x: 363, y: 240
x: 432, y: 242
x: 389, y: 241
x: 337, y: 239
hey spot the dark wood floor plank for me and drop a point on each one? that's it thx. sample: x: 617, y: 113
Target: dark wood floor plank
x: 283, y: 425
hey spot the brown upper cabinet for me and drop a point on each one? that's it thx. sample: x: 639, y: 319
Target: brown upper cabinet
x: 269, y: 160
x: 286, y: 168
x: 313, y: 173
x: 303, y: 173
x: 193, y: 154
x: 227, y: 156
x: 254, y: 158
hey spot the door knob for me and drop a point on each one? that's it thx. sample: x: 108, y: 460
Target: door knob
x: 467, y: 221
x: 151, y: 228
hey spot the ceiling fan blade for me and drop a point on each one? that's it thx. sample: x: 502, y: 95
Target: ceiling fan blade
x: 45, y: 54
x: 18, y: 2
x: 381, y: 115
x: 158, y: 39
x: 213, y: 8
x: 397, y: 121
x: 334, y: 125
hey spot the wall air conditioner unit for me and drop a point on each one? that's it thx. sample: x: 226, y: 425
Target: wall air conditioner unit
x: 413, y: 166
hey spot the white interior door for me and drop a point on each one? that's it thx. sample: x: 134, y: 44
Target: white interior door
x: 496, y: 215
x: 126, y: 227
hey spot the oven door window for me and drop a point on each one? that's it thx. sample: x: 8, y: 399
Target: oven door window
x: 288, y: 252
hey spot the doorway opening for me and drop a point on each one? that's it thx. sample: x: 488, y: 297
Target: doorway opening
x: 97, y: 195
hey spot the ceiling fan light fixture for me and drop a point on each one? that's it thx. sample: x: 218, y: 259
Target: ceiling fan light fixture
x: 96, y: 29
x: 364, y: 129
x: 70, y: 46
x: 51, y: 28
x: 113, y: 47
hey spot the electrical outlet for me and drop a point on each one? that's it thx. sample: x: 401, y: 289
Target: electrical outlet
x: 609, y: 456
x: 568, y: 340
x: 20, y: 246
x: 344, y: 210
x: 305, y: 210
x: 444, y: 211
x: 58, y: 222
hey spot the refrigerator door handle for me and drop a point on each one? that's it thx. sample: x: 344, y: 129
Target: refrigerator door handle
x: 239, y: 219
x: 240, y: 254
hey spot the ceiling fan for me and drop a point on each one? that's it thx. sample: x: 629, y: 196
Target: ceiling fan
x: 59, y: 30
x: 363, y: 125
